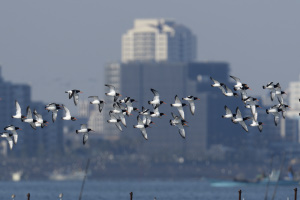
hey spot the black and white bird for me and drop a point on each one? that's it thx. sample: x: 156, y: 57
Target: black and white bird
x: 191, y: 101
x: 142, y: 127
x: 258, y: 124
x: 239, y: 85
x: 13, y: 131
x: 39, y: 121
x: 67, y: 114
x: 283, y: 108
x: 156, y: 102
x: 18, y: 114
x: 29, y: 119
x: 74, y: 94
x: 216, y: 83
x: 83, y: 129
x: 239, y: 119
x: 120, y: 112
x: 269, y: 86
x: 147, y: 120
x: 227, y: 91
x: 156, y: 113
x: 112, y: 92
x: 176, y: 120
x: 278, y: 92
x: 274, y: 110
x: 228, y: 113
x: 9, y: 137
x: 114, y: 120
x: 130, y: 108
x: 53, y: 107
x: 97, y: 101
x: 179, y: 106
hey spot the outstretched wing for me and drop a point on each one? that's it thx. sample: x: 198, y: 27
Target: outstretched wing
x: 238, y: 81
x: 118, y: 126
x: 83, y: 126
x: 243, y: 124
x: 111, y: 87
x: 18, y: 108
x: 54, y: 115
x: 85, y: 138
x: 75, y: 98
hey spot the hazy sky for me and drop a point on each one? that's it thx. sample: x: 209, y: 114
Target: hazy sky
x: 59, y: 45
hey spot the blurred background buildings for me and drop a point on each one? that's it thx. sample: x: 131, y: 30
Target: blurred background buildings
x: 159, y: 54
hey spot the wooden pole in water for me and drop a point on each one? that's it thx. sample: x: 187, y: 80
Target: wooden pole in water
x: 295, y: 193
x: 131, y: 194
x: 28, y: 196
x: 240, y: 194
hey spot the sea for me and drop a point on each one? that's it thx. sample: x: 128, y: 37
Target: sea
x: 143, y: 190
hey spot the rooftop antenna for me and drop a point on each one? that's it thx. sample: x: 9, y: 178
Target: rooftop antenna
x: 282, y: 163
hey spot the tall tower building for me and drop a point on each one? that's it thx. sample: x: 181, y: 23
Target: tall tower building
x: 158, y: 40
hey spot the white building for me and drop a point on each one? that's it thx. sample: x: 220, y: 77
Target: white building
x: 158, y: 40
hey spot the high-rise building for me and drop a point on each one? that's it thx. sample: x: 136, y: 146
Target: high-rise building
x: 158, y: 40
x: 206, y: 128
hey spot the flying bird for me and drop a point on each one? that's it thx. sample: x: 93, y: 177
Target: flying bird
x: 114, y: 120
x: 142, y: 127
x: 9, y: 137
x: 97, y: 101
x: 13, y: 131
x: 74, y: 94
x: 191, y: 101
x: 179, y: 106
x: 67, y: 114
x: 83, y: 129
x: 112, y: 92
x: 156, y: 102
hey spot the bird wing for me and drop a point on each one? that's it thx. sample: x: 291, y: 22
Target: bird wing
x: 144, y: 133
x: 118, y: 126
x: 54, y: 115
x: 18, y: 108
x: 228, y: 89
x: 10, y: 142
x: 272, y: 93
x: 181, y: 112
x: 111, y: 88
x: 228, y: 111
x: 215, y: 81
x: 254, y: 112
x: 67, y: 111
x: 244, y: 95
x: 116, y: 98
x: 222, y: 89
x: 243, y: 124
x: 280, y: 98
x: 192, y: 107
x: 85, y: 138
x: 238, y: 113
x: 15, y: 136
x: 29, y: 114
x: 238, y: 81
x: 140, y: 122
x: 83, y: 126
x: 101, y: 105
x: 75, y: 98
x: 32, y: 124
x: 181, y: 130
x: 173, y: 115
x: 276, y: 118
x: 156, y: 94
x: 177, y: 100
x: 122, y: 118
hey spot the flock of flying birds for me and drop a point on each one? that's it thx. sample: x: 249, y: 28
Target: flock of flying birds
x: 124, y: 107
x: 120, y: 109
x: 251, y: 103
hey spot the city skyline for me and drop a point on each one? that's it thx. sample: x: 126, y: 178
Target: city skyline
x: 44, y: 44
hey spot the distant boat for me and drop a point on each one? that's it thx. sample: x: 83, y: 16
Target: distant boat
x: 74, y: 176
